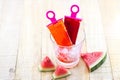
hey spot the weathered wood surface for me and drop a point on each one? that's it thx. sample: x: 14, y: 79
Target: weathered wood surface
x: 10, y: 23
x: 25, y: 40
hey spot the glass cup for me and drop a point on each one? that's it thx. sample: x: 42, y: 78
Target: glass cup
x: 68, y: 56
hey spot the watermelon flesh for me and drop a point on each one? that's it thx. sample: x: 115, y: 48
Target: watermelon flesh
x: 90, y: 58
x: 60, y: 72
x: 94, y: 60
x: 46, y: 65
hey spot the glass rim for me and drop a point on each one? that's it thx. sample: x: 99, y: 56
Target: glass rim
x: 80, y: 42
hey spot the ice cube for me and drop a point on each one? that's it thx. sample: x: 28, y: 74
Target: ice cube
x: 64, y: 50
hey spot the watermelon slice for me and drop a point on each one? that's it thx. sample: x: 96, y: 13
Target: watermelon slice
x: 94, y: 60
x: 60, y: 72
x: 46, y: 65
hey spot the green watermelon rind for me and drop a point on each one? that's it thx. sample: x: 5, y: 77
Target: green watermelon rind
x: 41, y: 69
x: 61, y: 76
x: 98, y: 63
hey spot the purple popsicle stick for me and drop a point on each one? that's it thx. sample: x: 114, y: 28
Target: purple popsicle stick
x: 52, y: 19
x: 74, y: 13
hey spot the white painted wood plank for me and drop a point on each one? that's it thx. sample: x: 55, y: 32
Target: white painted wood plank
x: 27, y: 55
x: 1, y: 5
x: 114, y: 50
x: 95, y: 38
x: 10, y: 22
x: 111, y: 17
x: 7, y: 67
x: 37, y: 37
x: 10, y: 26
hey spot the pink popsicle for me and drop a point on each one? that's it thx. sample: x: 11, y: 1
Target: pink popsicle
x: 72, y: 24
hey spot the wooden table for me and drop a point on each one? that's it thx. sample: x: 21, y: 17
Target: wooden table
x: 25, y: 40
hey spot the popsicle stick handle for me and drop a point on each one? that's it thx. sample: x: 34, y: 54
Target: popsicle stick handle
x: 74, y: 13
x: 51, y: 18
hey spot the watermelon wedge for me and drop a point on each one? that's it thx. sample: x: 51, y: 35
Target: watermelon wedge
x: 60, y: 72
x: 46, y: 65
x: 94, y: 60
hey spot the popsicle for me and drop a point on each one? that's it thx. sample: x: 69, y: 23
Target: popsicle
x: 58, y: 30
x: 72, y: 23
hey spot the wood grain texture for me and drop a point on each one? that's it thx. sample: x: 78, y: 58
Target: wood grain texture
x: 10, y: 23
x: 25, y: 39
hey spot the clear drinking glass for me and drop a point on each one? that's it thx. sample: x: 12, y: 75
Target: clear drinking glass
x: 68, y: 56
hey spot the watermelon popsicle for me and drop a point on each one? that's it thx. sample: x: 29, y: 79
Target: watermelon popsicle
x: 72, y: 23
x: 58, y: 30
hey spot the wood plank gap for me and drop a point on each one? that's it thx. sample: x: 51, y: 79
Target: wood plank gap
x: 108, y: 54
x: 41, y: 52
